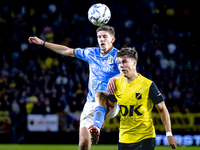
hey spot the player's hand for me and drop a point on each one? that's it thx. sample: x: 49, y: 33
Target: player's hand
x: 35, y: 40
x: 111, y: 86
x: 172, y: 142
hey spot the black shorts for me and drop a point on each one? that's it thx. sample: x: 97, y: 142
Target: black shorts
x: 146, y: 144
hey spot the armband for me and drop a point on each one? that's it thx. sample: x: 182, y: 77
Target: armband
x: 112, y: 98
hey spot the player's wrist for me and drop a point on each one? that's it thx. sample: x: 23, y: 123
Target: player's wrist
x: 43, y: 44
x: 168, y: 134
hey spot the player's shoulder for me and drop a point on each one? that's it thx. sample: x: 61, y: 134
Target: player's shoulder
x: 89, y: 48
x: 145, y: 79
x: 93, y: 50
x: 114, y: 50
x: 119, y: 80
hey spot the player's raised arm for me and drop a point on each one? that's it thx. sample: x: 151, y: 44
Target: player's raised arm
x: 60, y: 49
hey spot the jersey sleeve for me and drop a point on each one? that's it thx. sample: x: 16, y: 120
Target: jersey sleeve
x: 155, y: 94
x: 82, y: 53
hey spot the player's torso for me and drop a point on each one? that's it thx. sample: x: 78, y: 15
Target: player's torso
x: 103, y: 65
x: 102, y: 68
x: 135, y: 108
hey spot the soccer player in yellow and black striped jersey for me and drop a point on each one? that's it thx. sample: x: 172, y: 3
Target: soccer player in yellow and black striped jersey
x: 136, y: 96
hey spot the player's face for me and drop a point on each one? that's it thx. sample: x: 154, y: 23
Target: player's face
x: 127, y: 66
x: 105, y: 40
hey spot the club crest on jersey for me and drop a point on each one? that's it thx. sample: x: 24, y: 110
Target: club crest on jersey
x: 110, y: 60
x: 138, y: 96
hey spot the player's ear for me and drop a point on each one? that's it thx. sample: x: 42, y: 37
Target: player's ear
x: 134, y: 62
x: 113, y: 39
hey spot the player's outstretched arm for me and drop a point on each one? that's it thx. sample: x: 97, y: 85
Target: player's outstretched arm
x: 60, y: 49
x: 164, y: 114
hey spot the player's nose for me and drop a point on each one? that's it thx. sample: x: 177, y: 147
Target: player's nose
x: 121, y: 65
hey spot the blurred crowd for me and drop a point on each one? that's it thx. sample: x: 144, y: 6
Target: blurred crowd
x: 36, y: 80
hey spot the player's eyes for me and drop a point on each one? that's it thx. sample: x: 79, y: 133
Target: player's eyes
x: 124, y: 61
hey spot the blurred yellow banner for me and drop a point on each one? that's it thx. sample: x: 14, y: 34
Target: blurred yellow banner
x: 189, y: 122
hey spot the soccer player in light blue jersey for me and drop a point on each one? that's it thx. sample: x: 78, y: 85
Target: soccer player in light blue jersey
x: 103, y: 67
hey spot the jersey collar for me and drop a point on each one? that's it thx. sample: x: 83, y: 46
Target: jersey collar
x: 107, y: 51
x: 137, y: 78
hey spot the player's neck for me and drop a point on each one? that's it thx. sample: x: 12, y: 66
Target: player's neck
x: 106, y: 51
x: 131, y: 77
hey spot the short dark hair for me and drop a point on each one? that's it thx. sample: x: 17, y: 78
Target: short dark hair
x: 128, y: 51
x: 106, y: 28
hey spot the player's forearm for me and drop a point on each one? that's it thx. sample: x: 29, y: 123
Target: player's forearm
x: 60, y: 49
x: 164, y: 115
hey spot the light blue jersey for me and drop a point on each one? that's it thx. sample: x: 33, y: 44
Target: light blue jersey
x: 101, y: 67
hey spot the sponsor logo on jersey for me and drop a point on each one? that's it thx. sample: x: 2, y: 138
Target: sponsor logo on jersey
x: 129, y: 110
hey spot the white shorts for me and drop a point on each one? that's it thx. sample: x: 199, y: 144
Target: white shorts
x: 87, y: 115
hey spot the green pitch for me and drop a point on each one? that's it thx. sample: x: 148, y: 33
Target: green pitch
x: 75, y: 147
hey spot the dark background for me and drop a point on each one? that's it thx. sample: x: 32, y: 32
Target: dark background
x: 164, y: 32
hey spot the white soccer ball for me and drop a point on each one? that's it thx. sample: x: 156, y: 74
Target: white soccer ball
x: 99, y: 14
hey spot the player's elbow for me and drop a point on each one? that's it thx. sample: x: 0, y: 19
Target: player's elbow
x: 161, y: 107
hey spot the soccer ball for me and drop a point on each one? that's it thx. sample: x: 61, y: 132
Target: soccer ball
x: 99, y: 14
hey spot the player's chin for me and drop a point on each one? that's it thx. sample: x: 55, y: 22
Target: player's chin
x: 124, y: 74
x: 103, y: 48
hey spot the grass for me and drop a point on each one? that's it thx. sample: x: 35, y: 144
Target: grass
x: 75, y: 147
